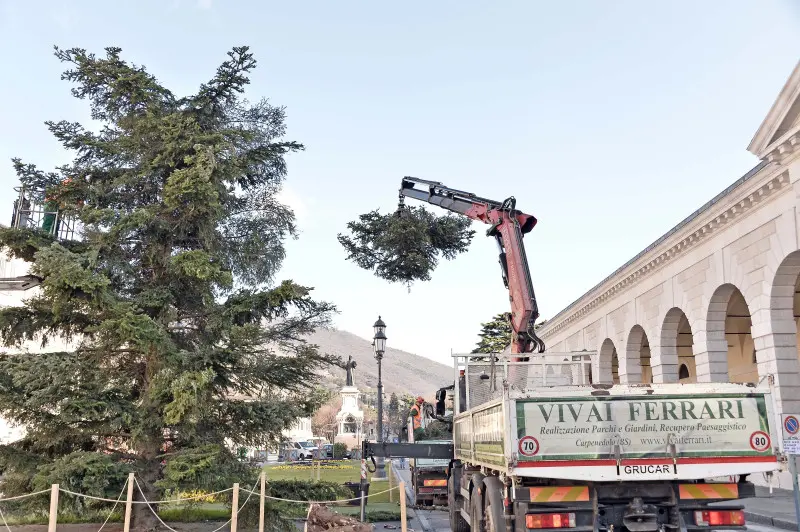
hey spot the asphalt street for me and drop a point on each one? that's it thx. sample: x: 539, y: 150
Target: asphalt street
x: 438, y: 521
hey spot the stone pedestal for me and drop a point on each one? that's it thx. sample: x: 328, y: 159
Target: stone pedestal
x: 350, y: 419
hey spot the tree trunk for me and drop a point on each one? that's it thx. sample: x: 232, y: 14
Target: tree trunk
x: 143, y: 519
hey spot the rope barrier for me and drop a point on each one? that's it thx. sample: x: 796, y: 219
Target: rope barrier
x: 329, y: 502
x: 151, y: 508
x: 194, y: 498
x: 115, y: 505
x: 181, y: 499
x: 239, y: 509
x: 27, y: 495
x: 5, y: 523
x: 168, y: 501
x: 84, y: 496
x: 150, y: 504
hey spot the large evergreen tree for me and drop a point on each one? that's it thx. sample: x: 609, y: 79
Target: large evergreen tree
x: 495, y: 335
x: 182, y: 339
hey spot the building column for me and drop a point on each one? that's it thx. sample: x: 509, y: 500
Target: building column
x: 663, y: 362
x: 630, y: 368
x: 711, y: 354
x: 602, y: 373
x: 602, y: 370
x: 776, y: 355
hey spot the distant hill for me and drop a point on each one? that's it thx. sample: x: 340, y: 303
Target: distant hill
x: 402, y: 372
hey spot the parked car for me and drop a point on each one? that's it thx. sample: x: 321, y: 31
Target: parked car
x: 327, y: 452
x: 306, y: 450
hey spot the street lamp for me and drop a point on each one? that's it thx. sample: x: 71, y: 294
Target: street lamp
x: 379, y: 341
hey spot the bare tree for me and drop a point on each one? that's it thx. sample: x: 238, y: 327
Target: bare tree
x: 324, y: 421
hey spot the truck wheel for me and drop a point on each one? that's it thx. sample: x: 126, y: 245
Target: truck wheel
x: 457, y: 523
x: 495, y: 520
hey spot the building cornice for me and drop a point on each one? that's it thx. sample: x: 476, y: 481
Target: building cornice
x: 749, y: 192
x: 764, y: 140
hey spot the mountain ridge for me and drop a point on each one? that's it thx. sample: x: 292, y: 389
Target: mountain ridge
x: 403, y: 372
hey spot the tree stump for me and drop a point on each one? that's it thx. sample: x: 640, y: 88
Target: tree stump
x: 322, y: 519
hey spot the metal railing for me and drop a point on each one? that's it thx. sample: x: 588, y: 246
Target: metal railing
x: 33, y: 211
x: 484, y: 376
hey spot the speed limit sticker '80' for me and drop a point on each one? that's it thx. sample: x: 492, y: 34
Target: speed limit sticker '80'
x: 528, y: 446
x: 759, y: 441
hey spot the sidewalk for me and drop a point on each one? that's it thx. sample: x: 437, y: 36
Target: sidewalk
x: 775, y: 510
x: 405, y: 476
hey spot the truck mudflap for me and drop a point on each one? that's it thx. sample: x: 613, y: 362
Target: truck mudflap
x: 638, y: 507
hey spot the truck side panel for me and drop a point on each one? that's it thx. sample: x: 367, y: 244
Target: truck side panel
x: 481, y: 435
x: 644, y: 438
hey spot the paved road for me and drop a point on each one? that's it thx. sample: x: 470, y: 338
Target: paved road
x: 437, y: 521
x: 427, y: 520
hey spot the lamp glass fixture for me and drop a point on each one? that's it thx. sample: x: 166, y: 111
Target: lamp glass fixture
x: 380, y: 342
x: 379, y: 326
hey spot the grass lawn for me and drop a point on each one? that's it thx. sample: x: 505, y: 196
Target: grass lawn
x: 338, y: 472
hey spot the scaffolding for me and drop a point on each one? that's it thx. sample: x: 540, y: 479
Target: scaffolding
x: 32, y: 210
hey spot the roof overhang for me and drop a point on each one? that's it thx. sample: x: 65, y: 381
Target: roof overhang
x: 15, y: 284
x: 782, y: 121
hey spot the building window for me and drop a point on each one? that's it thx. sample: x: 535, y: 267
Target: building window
x: 683, y: 372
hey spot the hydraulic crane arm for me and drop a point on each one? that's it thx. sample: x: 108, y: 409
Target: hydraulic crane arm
x: 508, y: 225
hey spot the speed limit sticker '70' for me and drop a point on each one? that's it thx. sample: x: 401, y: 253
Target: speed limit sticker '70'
x: 528, y: 446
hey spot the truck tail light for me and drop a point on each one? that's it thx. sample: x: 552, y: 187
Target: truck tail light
x: 719, y: 517
x: 550, y: 520
x: 436, y: 482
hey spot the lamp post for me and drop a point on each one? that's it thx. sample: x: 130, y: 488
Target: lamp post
x: 380, y: 347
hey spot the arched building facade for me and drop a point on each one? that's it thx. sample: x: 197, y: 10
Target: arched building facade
x: 717, y: 298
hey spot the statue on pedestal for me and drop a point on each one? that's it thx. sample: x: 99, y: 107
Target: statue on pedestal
x: 348, y: 367
x: 350, y: 418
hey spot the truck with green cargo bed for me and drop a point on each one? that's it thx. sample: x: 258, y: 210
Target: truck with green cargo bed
x: 537, y: 447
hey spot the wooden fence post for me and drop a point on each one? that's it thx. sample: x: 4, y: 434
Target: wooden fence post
x: 261, y: 503
x: 51, y: 527
x: 129, y: 503
x: 403, y: 523
x: 235, y: 508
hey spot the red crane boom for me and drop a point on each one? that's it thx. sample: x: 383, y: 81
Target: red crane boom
x: 508, y: 226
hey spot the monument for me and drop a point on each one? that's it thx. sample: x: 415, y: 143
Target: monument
x: 350, y: 417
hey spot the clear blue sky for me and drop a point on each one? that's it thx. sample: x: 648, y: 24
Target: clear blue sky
x: 608, y: 120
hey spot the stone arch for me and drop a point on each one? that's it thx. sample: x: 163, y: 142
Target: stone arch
x: 778, y: 352
x: 608, y: 363
x: 676, y: 351
x: 784, y: 301
x: 729, y: 340
x: 350, y: 425
x: 637, y: 368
